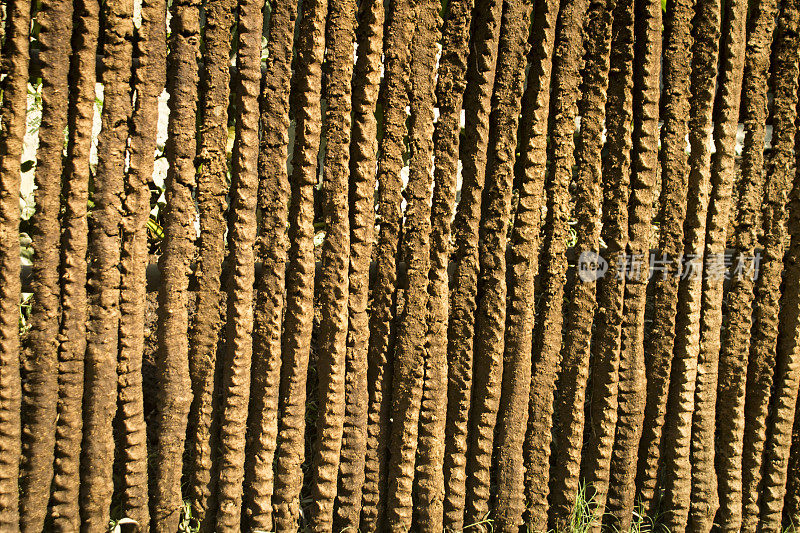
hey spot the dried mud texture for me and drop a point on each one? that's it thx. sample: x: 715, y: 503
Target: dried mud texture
x: 490, y: 319
x: 787, y: 371
x: 566, y: 74
x: 680, y: 459
x: 242, y: 239
x: 616, y: 167
x: 394, y: 99
x: 40, y: 359
x: 660, y: 338
x: 334, y: 276
x: 450, y: 85
x: 704, y: 474
x: 791, y: 504
x: 738, y: 320
x: 149, y: 78
x: 522, y: 266
x: 412, y: 325
x: 481, y: 65
x: 581, y: 297
x: 63, y: 513
x: 174, y: 392
x: 204, y: 333
x: 15, y: 57
x: 271, y: 247
x: 766, y: 312
x: 363, y: 156
x: 631, y: 389
x: 300, y: 272
x: 791, y: 501
x: 777, y: 453
x: 3, y: 18
x: 100, y: 395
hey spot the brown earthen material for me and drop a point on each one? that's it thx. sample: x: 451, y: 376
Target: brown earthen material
x: 738, y: 321
x: 174, y: 392
x: 363, y: 155
x: 149, y: 77
x: 64, y: 511
x: 660, y: 338
x: 40, y: 358
x: 632, y: 384
x: 704, y: 427
x: 568, y: 52
x: 481, y: 65
x: 242, y: 228
x: 204, y: 332
x: 299, y: 313
x: 271, y: 247
x: 773, y: 375
x: 412, y: 324
x: 606, y: 350
x: 100, y: 394
x: 679, y: 461
x: 401, y: 18
x: 334, y: 283
x: 581, y: 297
x: 15, y: 58
x: 450, y: 85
